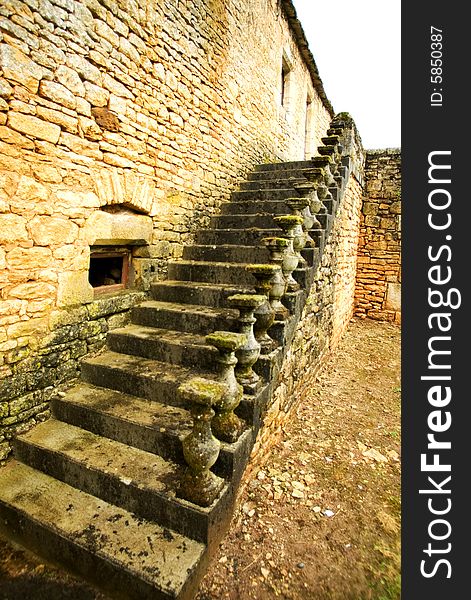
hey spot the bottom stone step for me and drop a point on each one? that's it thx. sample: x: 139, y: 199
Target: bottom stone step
x: 111, y: 547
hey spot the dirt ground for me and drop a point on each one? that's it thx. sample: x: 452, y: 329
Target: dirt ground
x: 321, y: 520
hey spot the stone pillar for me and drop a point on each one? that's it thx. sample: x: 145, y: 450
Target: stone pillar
x: 277, y: 247
x: 200, y: 448
x: 265, y: 313
x: 248, y: 354
x: 290, y: 258
x: 226, y: 425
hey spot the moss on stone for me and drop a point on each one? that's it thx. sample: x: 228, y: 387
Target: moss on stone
x: 276, y: 242
x: 288, y: 220
x: 202, y: 391
x: 246, y: 300
x: 226, y: 340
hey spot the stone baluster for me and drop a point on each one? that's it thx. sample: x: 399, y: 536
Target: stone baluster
x: 200, y: 448
x: 247, y: 355
x: 301, y: 208
x: 317, y: 176
x: 226, y: 425
x: 264, y: 314
x: 277, y: 247
x: 290, y: 258
x: 325, y: 163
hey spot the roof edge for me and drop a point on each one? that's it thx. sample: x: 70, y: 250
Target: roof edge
x: 300, y: 37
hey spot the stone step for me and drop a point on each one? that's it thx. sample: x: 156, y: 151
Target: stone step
x: 239, y: 221
x: 190, y: 292
x: 244, y: 237
x: 164, y: 345
x: 275, y: 193
x: 138, y: 481
x: 268, y: 206
x: 140, y: 423
x: 287, y: 173
x: 272, y: 207
x: 222, y: 272
x: 227, y: 252
x: 236, y: 254
x: 217, y: 272
x: 283, y: 166
x: 140, y: 376
x: 191, y: 318
x: 101, y: 542
x: 269, y: 184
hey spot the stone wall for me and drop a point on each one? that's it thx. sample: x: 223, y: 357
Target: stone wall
x: 327, y: 312
x: 126, y: 123
x: 378, y: 284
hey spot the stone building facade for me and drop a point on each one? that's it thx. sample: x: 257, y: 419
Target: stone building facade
x: 378, y: 283
x: 123, y: 127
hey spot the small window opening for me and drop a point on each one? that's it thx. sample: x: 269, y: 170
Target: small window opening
x: 309, y: 129
x: 109, y: 269
x: 285, y: 70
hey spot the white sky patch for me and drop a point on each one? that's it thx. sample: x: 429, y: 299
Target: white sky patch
x: 357, y: 49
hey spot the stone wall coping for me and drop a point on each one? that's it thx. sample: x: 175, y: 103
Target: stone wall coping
x: 389, y: 151
x: 303, y: 46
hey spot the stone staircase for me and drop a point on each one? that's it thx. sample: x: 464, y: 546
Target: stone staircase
x: 95, y: 488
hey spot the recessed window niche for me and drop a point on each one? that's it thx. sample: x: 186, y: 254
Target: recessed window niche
x: 109, y: 268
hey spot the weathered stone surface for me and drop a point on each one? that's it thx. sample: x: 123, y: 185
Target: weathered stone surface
x: 71, y: 80
x: 5, y: 89
x: 107, y: 228
x: 52, y: 231
x: 12, y: 228
x: 84, y: 68
x: 89, y: 128
x: 57, y: 93
x: 105, y: 119
x: 74, y: 288
x: 67, y: 123
x: 95, y: 94
x: 19, y: 68
x: 29, y: 258
x: 36, y: 128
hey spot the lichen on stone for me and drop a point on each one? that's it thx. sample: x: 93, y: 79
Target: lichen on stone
x: 226, y: 340
x: 202, y: 391
x: 246, y: 300
x: 276, y: 242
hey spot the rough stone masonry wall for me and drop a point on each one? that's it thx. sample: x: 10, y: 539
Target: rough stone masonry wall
x: 378, y: 284
x: 327, y: 312
x: 124, y: 122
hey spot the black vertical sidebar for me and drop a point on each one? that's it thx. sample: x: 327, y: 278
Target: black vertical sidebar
x: 436, y: 528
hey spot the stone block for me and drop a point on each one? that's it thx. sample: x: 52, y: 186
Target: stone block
x: 57, y: 93
x: 18, y: 67
x: 95, y: 94
x: 29, y: 258
x: 105, y: 118
x: 393, y: 297
x: 71, y: 80
x: 74, y: 288
x: 103, y: 228
x: 89, y: 128
x: 52, y: 231
x: 84, y: 68
x: 5, y: 89
x: 36, y: 128
x: 64, y: 121
x: 12, y: 229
